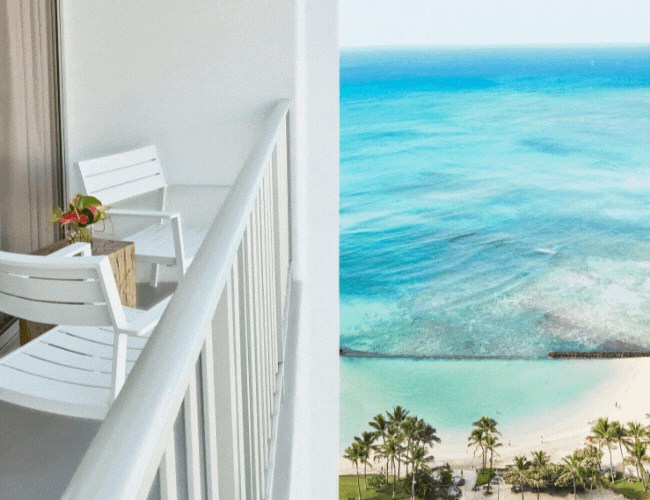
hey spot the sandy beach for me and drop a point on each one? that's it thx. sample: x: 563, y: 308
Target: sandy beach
x: 622, y: 396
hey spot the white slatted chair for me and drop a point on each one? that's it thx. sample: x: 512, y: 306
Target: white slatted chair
x: 126, y: 175
x: 78, y: 368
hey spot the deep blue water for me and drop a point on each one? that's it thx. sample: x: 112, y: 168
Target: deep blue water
x: 495, y: 201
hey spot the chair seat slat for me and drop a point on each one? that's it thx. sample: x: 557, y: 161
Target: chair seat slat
x: 79, y: 345
x: 52, y: 396
x: 66, y: 358
x: 101, y: 336
x: 47, y: 369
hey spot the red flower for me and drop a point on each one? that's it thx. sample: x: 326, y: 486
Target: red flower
x: 93, y: 209
x: 73, y: 217
x: 69, y: 217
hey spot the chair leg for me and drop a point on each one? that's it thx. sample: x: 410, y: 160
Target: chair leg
x: 119, y: 363
x: 153, y: 279
x: 180, y: 269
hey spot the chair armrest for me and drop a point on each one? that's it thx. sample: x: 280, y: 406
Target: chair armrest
x: 153, y: 214
x: 147, y: 321
x: 73, y: 250
x: 175, y: 223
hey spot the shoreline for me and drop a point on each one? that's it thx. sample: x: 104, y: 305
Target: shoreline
x: 560, y: 430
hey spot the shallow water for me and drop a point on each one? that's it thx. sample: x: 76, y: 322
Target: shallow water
x: 451, y: 394
x: 495, y: 202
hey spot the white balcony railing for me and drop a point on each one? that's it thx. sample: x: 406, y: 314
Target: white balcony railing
x: 198, y: 416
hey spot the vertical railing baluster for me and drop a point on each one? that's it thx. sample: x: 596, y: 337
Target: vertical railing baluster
x: 254, y: 360
x: 270, y: 262
x: 167, y: 472
x: 265, y: 292
x: 262, y: 292
x: 283, y: 225
x: 277, y: 251
x: 236, y: 355
x: 249, y: 468
x: 261, y: 336
x: 193, y: 455
x: 268, y: 253
x: 210, y: 418
x: 229, y: 392
x: 263, y: 318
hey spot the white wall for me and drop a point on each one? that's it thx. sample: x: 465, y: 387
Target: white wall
x: 315, y: 457
x: 191, y: 77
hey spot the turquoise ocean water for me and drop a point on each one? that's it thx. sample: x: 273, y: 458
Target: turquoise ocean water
x: 494, y: 202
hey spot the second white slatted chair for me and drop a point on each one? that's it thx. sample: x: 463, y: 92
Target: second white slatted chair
x: 119, y: 177
x: 77, y: 368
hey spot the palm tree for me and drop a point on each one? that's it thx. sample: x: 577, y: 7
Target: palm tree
x: 409, y: 430
x: 595, y: 479
x: 425, y: 433
x: 380, y: 424
x: 396, y: 418
x: 382, y: 428
x: 619, y: 434
x: 477, y: 440
x: 489, y: 425
x: 484, y: 427
x: 602, y: 434
x: 539, y: 466
x: 518, y: 473
x: 638, y: 451
x: 491, y: 443
x: 366, y: 442
x: 572, y: 470
x: 389, y: 451
x: 392, y: 450
x: 636, y: 431
x: 590, y: 458
x: 398, y: 415
x: 353, y: 454
x: 418, y: 459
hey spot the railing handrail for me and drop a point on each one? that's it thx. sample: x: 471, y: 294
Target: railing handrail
x: 123, y: 458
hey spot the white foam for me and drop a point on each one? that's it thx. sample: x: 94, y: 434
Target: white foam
x: 548, y: 251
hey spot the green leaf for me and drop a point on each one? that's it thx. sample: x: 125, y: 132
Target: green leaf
x: 85, y: 201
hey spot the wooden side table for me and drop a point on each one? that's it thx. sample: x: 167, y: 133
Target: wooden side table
x: 121, y: 255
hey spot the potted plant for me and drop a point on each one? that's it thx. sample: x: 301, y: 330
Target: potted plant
x: 81, y: 214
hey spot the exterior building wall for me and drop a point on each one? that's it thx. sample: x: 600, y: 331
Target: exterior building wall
x: 316, y: 439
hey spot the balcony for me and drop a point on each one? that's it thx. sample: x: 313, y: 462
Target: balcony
x: 205, y: 412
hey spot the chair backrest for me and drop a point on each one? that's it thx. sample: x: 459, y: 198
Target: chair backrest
x: 60, y: 290
x: 124, y: 175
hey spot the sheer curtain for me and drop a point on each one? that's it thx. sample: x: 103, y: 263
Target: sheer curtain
x: 30, y: 173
